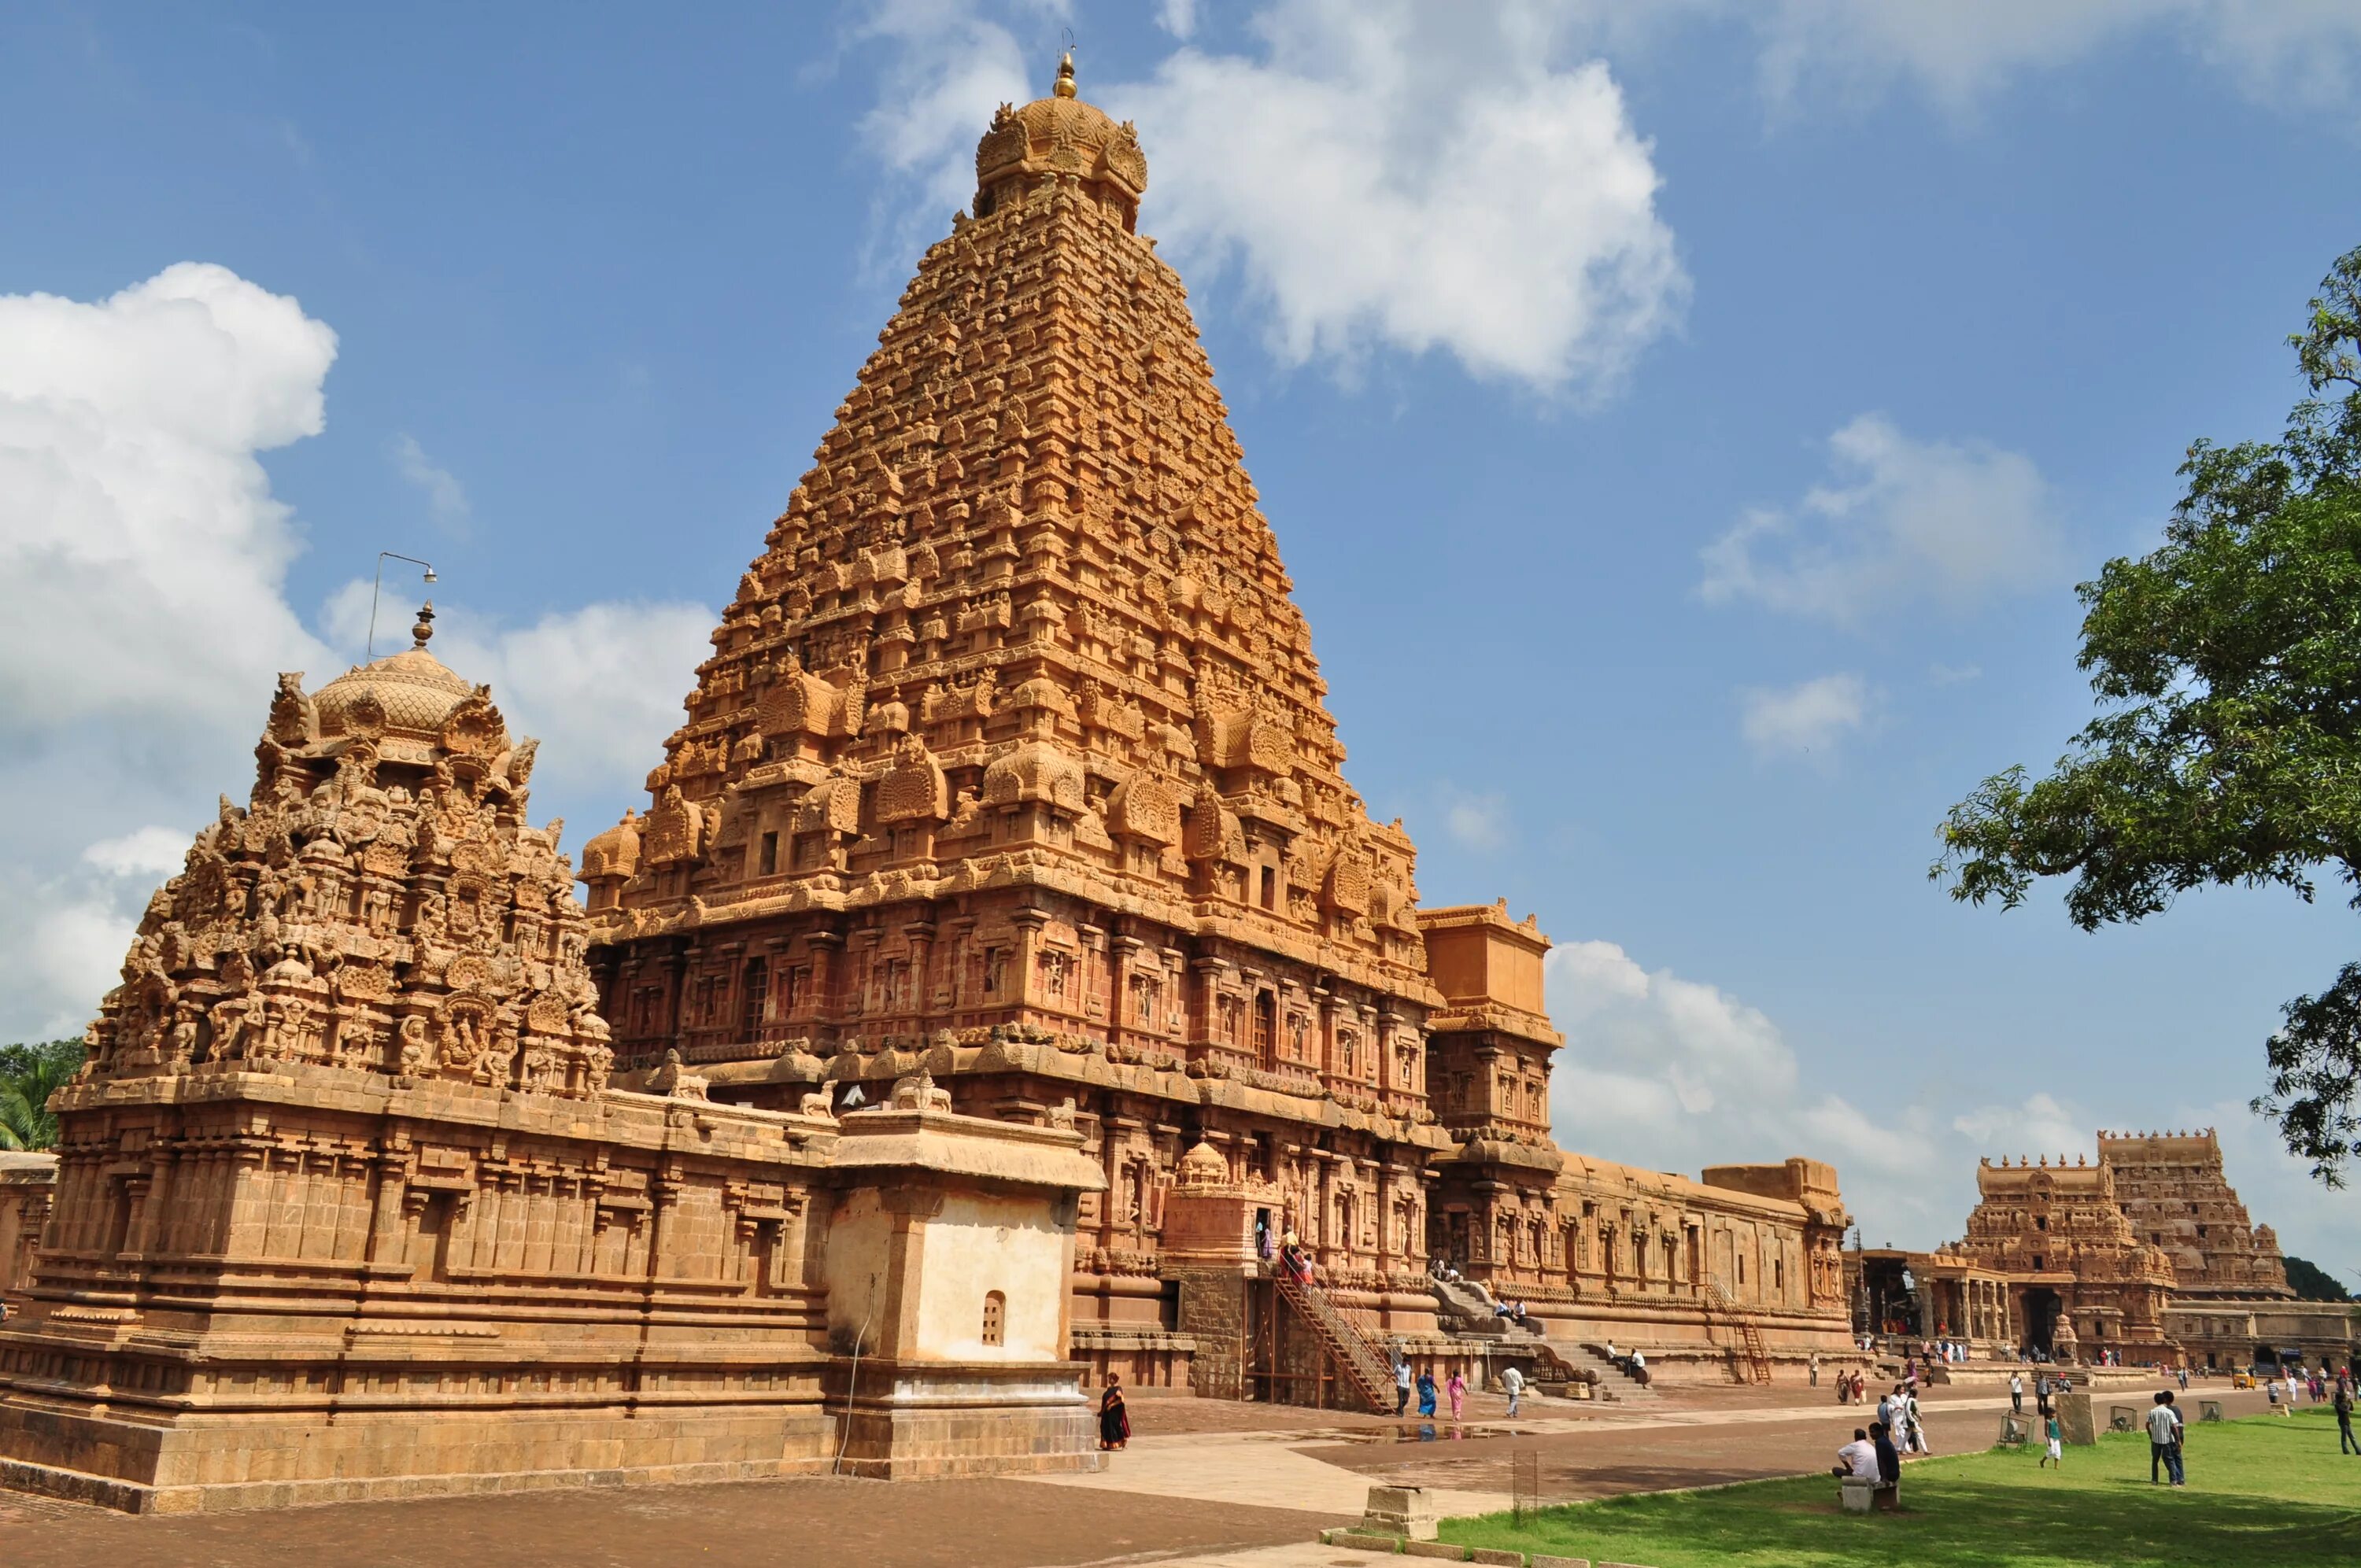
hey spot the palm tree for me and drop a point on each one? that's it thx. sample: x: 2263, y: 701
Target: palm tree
x: 25, y: 1119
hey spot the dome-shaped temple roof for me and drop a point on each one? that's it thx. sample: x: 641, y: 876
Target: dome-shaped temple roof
x: 1061, y: 135
x: 414, y: 691
x: 614, y: 853
x: 1203, y: 1165
x: 1034, y: 771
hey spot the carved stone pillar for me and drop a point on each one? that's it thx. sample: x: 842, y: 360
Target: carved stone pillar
x: 1028, y: 924
x: 827, y: 951
x: 921, y: 936
x: 387, y: 1236
x: 1122, y: 955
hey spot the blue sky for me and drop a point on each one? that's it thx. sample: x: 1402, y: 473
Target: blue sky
x: 1684, y: 425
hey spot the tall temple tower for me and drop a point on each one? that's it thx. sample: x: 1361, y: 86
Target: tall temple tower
x: 1012, y: 756
x: 1011, y: 764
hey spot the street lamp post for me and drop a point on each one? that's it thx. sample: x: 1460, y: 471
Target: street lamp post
x: 382, y: 557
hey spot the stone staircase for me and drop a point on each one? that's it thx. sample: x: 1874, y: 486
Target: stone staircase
x: 1359, y: 1366
x: 1466, y: 1308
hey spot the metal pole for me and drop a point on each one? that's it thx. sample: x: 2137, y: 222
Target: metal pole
x: 383, y: 556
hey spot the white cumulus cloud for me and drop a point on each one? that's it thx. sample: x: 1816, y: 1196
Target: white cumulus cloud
x: 1901, y: 521
x: 1387, y: 174
x: 1381, y: 175
x: 2284, y: 52
x: 1805, y: 720
x: 1476, y: 821
x: 446, y: 498
x: 149, y: 617
x: 1672, y: 1073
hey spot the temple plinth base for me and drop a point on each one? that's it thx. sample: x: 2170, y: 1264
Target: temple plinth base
x: 218, y: 1464
x: 923, y: 1420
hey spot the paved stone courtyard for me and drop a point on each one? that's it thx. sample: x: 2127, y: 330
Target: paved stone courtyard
x: 1205, y: 1484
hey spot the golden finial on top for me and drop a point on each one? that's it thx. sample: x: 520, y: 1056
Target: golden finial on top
x: 1065, y: 88
x: 425, y: 627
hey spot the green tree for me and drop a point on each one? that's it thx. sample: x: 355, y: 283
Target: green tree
x: 2313, y: 1283
x: 2227, y: 748
x: 30, y: 1074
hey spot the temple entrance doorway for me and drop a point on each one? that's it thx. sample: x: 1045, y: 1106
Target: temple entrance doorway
x: 2041, y: 1309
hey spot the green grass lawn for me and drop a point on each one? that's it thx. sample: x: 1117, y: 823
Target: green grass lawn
x: 2262, y: 1492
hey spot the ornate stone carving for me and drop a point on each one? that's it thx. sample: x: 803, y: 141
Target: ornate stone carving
x: 370, y: 907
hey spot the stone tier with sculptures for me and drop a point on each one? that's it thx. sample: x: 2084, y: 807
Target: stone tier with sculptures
x: 381, y: 904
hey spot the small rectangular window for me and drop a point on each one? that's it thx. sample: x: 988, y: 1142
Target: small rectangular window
x: 755, y: 998
x: 995, y: 1318
x: 767, y: 861
x: 1269, y: 888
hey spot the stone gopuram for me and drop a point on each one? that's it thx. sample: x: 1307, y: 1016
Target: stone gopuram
x: 2171, y: 1188
x: 2082, y: 1280
x: 1002, y: 970
x: 2148, y: 1252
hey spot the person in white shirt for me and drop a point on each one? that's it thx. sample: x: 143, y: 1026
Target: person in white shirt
x: 1910, y: 1419
x: 1857, y: 1458
x: 2164, y: 1433
x: 1512, y: 1382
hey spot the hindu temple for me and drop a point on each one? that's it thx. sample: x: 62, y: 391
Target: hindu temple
x: 1002, y: 973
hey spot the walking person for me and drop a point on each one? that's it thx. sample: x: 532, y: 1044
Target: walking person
x: 2016, y: 1394
x: 2345, y: 1441
x: 1114, y: 1421
x: 2057, y: 1441
x: 1919, y: 1443
x: 1426, y: 1392
x: 1816, y: 1369
x: 1457, y: 1388
x: 1401, y: 1383
x: 1513, y: 1382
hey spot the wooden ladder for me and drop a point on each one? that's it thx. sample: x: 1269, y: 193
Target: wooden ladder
x: 1364, y: 1370
x: 1753, y: 1361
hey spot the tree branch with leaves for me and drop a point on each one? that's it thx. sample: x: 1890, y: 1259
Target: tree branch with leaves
x: 2227, y: 748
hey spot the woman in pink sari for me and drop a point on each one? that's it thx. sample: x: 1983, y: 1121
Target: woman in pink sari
x: 1457, y: 1390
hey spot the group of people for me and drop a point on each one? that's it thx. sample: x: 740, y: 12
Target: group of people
x: 1454, y: 1389
x: 1852, y: 1386
x: 1898, y: 1413
x: 1871, y: 1456
x: 1514, y: 1312
x: 2044, y: 1386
